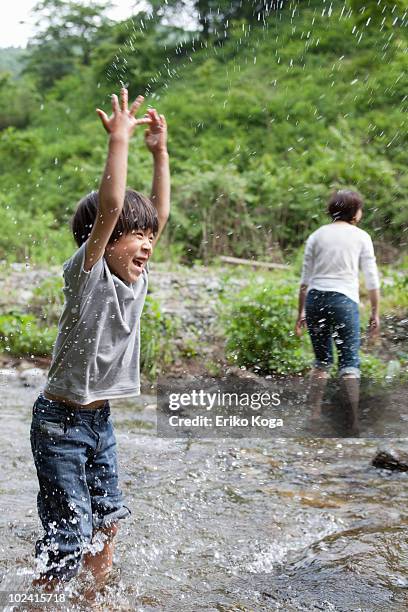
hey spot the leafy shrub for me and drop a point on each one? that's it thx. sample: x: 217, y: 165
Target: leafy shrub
x: 17, y: 147
x: 380, y: 14
x: 20, y: 334
x: 158, y: 332
x: 14, y: 110
x: 394, y: 293
x: 372, y: 367
x: 48, y: 300
x: 259, y: 330
x: 214, y: 214
x: 25, y: 236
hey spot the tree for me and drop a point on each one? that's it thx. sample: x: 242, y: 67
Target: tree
x: 382, y: 14
x: 211, y: 15
x: 132, y: 55
x: 66, y: 33
x: 215, y: 15
x: 17, y: 113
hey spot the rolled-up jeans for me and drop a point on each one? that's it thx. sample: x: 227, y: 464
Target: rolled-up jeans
x: 75, y: 457
x: 332, y: 316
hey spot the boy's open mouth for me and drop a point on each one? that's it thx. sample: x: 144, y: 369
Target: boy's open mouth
x: 139, y: 263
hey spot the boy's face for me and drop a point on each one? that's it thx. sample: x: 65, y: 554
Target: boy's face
x: 128, y: 256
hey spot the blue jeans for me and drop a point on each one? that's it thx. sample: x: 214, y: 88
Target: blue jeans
x: 75, y: 457
x: 334, y: 316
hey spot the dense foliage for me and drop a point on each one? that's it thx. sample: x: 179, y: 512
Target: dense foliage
x: 260, y: 332
x: 158, y: 332
x: 20, y: 334
x: 268, y: 112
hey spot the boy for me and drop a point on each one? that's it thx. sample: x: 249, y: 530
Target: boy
x: 96, y: 355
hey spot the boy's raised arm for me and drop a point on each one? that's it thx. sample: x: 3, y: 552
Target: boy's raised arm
x: 120, y: 126
x: 156, y: 142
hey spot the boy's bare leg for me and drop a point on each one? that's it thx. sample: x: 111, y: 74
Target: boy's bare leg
x: 100, y: 563
x: 318, y: 383
x: 49, y: 584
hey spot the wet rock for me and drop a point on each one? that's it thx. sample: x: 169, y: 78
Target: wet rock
x: 25, y: 364
x: 33, y: 377
x: 387, y: 460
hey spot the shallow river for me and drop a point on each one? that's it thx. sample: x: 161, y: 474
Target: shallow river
x: 227, y: 525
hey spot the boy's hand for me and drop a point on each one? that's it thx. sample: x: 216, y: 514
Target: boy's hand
x: 123, y: 121
x: 156, y: 134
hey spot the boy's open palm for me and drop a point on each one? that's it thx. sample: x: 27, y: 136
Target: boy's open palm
x: 122, y: 122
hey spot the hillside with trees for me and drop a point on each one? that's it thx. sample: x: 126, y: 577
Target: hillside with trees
x: 270, y: 106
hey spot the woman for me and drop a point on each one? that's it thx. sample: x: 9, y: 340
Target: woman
x: 329, y: 297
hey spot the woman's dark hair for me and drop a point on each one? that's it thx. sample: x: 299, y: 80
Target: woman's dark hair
x: 138, y: 213
x: 343, y: 205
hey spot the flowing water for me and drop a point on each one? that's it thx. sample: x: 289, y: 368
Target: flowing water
x: 226, y: 525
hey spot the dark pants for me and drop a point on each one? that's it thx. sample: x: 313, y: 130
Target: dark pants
x: 332, y: 316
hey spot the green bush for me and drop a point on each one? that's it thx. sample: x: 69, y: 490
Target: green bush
x: 213, y: 213
x: 259, y: 330
x: 394, y: 292
x: 48, y: 300
x: 158, y: 333
x: 379, y: 15
x: 14, y: 109
x: 17, y: 148
x: 26, y: 237
x: 20, y: 334
x: 372, y: 367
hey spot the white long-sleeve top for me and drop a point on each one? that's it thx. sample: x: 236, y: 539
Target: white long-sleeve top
x: 333, y: 256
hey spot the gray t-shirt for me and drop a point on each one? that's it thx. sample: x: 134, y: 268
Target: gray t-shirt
x: 97, y: 351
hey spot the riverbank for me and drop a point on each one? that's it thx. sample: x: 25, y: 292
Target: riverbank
x: 188, y: 307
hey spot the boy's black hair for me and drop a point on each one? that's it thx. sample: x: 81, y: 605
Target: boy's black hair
x: 138, y: 213
x: 343, y: 205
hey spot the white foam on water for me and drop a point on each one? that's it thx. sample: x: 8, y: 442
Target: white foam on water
x: 266, y: 560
